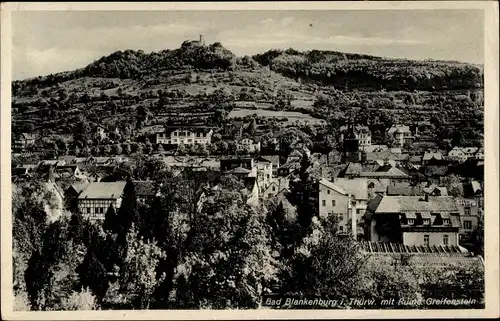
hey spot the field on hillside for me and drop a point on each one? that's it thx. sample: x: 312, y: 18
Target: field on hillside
x: 292, y: 116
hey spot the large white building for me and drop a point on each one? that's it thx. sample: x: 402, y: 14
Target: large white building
x: 465, y: 153
x: 248, y: 145
x: 185, y: 135
x: 362, y: 134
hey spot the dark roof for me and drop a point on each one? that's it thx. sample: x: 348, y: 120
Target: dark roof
x: 436, y: 170
x: 402, y: 190
x: 353, y: 169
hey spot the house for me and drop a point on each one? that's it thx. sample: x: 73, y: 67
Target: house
x: 386, y: 155
x: 361, y: 133
x: 334, y: 157
x: 95, y: 199
x: 358, y: 189
x: 464, y: 153
x: 145, y: 191
x: 413, y: 220
x: 72, y: 192
x: 264, y: 173
x: 68, y: 172
x: 404, y: 189
x: 375, y: 148
x: 277, y: 186
x: 431, y: 155
x: 387, y: 171
x: 185, y: 135
x: 275, y: 161
x: 434, y: 190
x: 234, y: 129
x: 99, y: 133
x: 22, y: 171
x: 248, y: 145
x: 227, y: 164
x: 24, y: 141
x: 251, y: 190
x: 469, y: 216
x: 401, y: 133
x: 333, y: 201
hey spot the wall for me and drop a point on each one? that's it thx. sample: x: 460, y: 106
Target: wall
x: 341, y: 204
x: 435, y: 238
x: 98, y: 208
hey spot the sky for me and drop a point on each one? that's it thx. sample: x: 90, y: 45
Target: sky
x: 46, y: 42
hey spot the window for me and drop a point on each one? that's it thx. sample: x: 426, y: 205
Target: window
x: 467, y: 211
x: 427, y: 221
x: 467, y: 225
x: 328, y: 191
x: 411, y: 221
x: 268, y: 176
x: 341, y: 216
x: 333, y: 203
x: 274, y: 188
x: 446, y: 221
x: 88, y: 210
x: 426, y: 239
x: 445, y: 239
x: 359, y: 211
x: 341, y: 228
x: 190, y: 140
x: 323, y: 202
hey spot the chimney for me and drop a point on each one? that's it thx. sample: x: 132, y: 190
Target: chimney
x: 201, y: 40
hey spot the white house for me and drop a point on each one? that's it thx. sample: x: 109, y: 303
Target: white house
x: 248, y: 145
x: 401, y: 133
x: 465, y: 153
x: 175, y: 135
x: 362, y: 134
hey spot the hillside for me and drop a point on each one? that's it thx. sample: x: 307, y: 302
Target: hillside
x: 204, y: 83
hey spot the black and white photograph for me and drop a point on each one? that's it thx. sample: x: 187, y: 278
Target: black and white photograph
x: 328, y: 160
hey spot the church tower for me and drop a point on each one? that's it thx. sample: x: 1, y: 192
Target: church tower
x: 351, y: 151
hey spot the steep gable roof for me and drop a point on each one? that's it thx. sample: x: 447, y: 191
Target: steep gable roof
x: 357, y: 187
x: 398, y: 204
x: 332, y: 186
x: 103, y: 190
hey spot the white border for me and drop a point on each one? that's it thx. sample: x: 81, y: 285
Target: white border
x: 491, y: 164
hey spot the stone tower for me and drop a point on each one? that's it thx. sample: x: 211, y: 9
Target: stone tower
x: 351, y: 151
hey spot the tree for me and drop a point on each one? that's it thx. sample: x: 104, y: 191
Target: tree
x: 324, y: 265
x: 79, y: 301
x: 138, y: 277
x: 110, y: 219
x: 303, y: 191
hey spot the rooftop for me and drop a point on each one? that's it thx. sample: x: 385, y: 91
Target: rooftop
x: 103, y: 190
x: 398, y: 204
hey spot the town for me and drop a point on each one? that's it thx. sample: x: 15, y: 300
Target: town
x: 247, y: 164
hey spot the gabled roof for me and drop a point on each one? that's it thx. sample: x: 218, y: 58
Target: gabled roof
x: 353, y: 169
x: 429, y: 155
x: 356, y: 187
x: 79, y: 187
x: 274, y: 159
x: 332, y: 186
x: 398, y: 204
x: 399, y: 129
x: 295, y: 153
x: 402, y: 190
x: 239, y: 170
x: 103, y: 190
